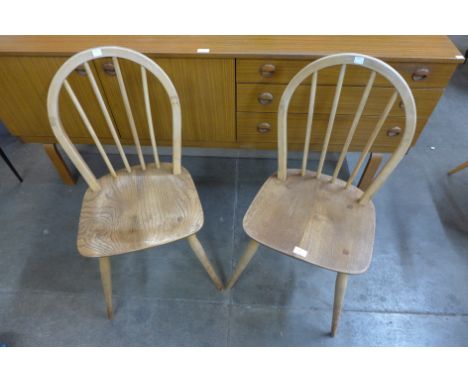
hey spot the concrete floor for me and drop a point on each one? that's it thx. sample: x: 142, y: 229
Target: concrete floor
x: 415, y: 292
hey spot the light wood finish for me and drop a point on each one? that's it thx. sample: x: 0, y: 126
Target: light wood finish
x: 248, y: 71
x: 149, y: 117
x: 128, y: 110
x: 115, y: 52
x: 247, y: 94
x: 310, y: 117
x: 331, y: 119
x: 243, y: 262
x: 340, y: 290
x: 143, y: 209
x: 321, y: 219
x: 57, y: 160
x: 374, y: 134
x: 106, y: 279
x: 371, y: 169
x: 137, y: 207
x: 458, y: 168
x: 316, y: 215
x: 203, y: 258
x: 352, y: 130
x: 91, y: 131
x: 401, y: 88
x: 106, y: 114
x: 388, y: 48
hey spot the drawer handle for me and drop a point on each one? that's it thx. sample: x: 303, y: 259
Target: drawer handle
x: 265, y: 98
x: 420, y: 74
x: 263, y: 127
x: 267, y: 70
x: 108, y: 68
x: 81, y: 71
x: 394, y: 131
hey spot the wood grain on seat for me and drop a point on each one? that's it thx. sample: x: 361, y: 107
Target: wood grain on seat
x: 136, y: 207
x: 318, y: 218
x: 138, y: 210
x: 316, y: 215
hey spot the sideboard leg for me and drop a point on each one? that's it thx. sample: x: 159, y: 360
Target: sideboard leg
x: 370, y: 170
x: 60, y: 165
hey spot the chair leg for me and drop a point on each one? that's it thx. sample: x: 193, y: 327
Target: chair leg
x: 458, y: 168
x: 105, y: 268
x: 201, y: 255
x: 9, y: 164
x: 340, y: 289
x: 243, y: 262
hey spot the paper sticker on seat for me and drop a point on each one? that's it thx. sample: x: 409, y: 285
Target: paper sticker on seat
x: 300, y: 251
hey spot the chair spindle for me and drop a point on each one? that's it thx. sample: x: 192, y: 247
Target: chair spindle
x: 372, y: 137
x: 89, y: 127
x: 149, y: 117
x: 128, y: 109
x: 106, y: 114
x: 331, y: 121
x: 310, y: 117
x: 352, y: 130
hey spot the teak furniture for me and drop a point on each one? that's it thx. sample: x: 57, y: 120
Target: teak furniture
x: 318, y: 218
x: 229, y: 88
x: 136, y: 207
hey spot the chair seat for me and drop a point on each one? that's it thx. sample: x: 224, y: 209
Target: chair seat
x: 314, y: 220
x: 138, y: 210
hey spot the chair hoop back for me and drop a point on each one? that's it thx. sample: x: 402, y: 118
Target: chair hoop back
x: 375, y: 66
x: 147, y: 65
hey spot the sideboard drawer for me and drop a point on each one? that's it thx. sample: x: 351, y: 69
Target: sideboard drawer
x: 266, y: 97
x: 262, y: 127
x: 281, y: 71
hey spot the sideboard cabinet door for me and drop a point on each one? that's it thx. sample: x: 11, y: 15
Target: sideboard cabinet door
x: 24, y: 83
x: 206, y: 88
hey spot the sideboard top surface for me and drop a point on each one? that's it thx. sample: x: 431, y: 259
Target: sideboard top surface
x: 389, y: 48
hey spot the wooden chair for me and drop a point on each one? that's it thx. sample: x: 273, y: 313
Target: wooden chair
x: 135, y: 207
x: 319, y: 218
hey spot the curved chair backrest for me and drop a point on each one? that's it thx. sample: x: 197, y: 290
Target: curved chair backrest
x: 147, y: 65
x: 375, y: 65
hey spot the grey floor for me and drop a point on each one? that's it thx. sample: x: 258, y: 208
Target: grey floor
x: 415, y: 292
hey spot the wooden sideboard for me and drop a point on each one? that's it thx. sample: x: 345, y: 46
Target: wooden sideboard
x: 229, y: 95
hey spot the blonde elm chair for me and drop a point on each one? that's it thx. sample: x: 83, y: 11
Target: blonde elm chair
x: 318, y: 218
x: 135, y: 207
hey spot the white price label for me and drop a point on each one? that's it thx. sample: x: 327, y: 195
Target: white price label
x: 359, y: 60
x: 300, y: 251
x: 96, y: 52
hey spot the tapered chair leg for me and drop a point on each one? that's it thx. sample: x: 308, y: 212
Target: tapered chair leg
x: 458, y: 168
x: 340, y: 289
x: 201, y: 255
x: 243, y: 262
x: 106, y: 278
